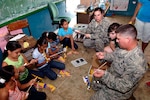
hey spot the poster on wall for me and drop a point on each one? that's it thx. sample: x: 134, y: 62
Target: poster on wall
x: 119, y: 5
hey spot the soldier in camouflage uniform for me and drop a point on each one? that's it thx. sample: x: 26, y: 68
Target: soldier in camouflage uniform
x: 127, y: 68
x: 96, y: 36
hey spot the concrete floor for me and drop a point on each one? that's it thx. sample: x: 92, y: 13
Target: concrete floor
x: 73, y: 87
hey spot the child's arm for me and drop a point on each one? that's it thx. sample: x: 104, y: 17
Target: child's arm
x: 53, y: 52
x: 4, y: 95
x: 26, y: 63
x: 26, y: 85
x: 112, y: 45
x: 24, y: 59
x: 21, y: 69
x: 72, y: 42
x: 61, y: 38
x: 4, y: 64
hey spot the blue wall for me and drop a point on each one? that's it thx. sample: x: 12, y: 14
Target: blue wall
x: 41, y: 21
x: 129, y: 12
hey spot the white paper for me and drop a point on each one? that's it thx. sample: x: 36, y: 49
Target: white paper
x: 119, y: 5
x: 19, y: 36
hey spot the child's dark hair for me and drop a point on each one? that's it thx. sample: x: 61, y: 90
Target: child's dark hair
x: 49, y: 35
x: 113, y: 27
x: 62, y: 22
x: 41, y: 41
x: 5, y: 74
x: 11, y: 45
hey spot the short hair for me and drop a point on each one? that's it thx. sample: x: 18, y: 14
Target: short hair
x: 99, y: 9
x: 113, y: 27
x: 127, y: 30
x: 62, y: 21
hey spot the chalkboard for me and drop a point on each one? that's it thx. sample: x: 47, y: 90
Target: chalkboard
x: 11, y: 9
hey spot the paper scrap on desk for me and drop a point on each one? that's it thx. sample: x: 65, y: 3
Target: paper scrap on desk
x: 19, y: 36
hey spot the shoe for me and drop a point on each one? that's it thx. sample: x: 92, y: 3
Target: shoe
x: 64, y: 73
x: 61, y: 59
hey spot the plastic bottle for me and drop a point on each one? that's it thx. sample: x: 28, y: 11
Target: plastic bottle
x: 102, y: 4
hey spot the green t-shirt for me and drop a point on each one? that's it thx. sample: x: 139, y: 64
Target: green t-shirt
x: 17, y: 64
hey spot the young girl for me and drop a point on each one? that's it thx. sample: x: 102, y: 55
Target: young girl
x: 65, y: 36
x: 44, y: 62
x: 19, y: 61
x: 10, y: 87
x: 112, y: 35
x: 53, y: 42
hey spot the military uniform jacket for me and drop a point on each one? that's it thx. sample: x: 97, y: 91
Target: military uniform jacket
x: 98, y: 30
x: 120, y: 80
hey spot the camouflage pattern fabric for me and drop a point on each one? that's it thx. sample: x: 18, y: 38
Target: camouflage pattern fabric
x: 120, y: 80
x: 99, y: 35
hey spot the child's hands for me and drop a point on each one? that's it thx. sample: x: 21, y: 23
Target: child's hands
x: 33, y: 61
x: 68, y: 36
x: 25, y: 96
x: 31, y: 82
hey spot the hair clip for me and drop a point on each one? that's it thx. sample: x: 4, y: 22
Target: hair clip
x: 2, y: 80
x: 47, y: 34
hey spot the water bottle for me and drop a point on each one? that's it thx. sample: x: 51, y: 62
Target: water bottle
x: 102, y: 4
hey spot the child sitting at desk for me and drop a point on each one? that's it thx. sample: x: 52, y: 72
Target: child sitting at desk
x: 65, y: 36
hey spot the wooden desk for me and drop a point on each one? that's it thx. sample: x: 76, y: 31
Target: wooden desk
x: 83, y: 18
x: 30, y: 40
x: 23, y: 38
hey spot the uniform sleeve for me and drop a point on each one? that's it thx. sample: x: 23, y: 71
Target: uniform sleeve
x: 101, y: 31
x: 89, y: 30
x: 109, y: 56
x: 134, y: 71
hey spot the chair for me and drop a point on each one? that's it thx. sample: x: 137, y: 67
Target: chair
x: 18, y: 25
x: 54, y: 13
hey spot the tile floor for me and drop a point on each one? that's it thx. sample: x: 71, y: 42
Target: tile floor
x: 73, y: 87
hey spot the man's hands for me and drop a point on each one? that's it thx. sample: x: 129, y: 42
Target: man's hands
x: 99, y: 73
x: 100, y: 55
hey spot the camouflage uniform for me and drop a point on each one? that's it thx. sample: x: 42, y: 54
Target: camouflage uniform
x: 98, y: 33
x: 120, y: 80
